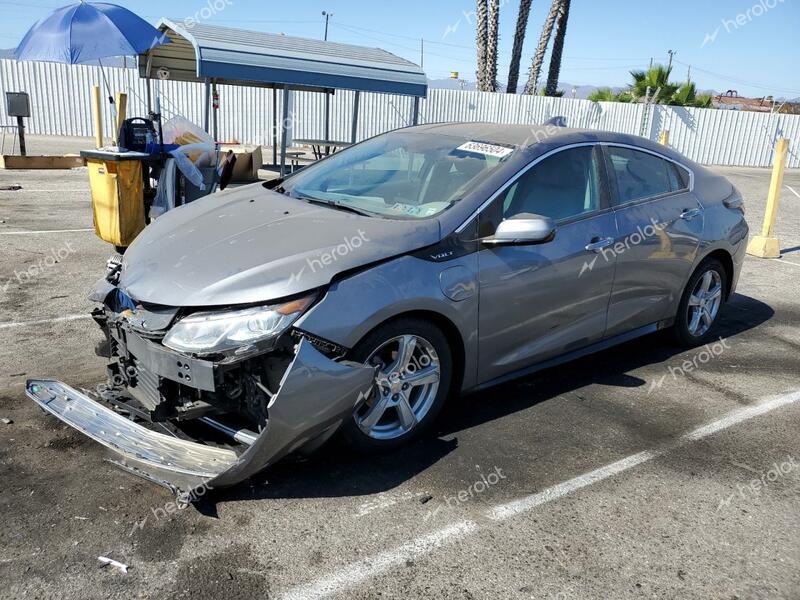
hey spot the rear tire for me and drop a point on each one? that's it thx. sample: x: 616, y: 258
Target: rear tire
x: 701, y: 303
x: 415, y: 374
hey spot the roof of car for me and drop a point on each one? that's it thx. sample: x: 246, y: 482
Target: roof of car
x: 546, y: 136
x: 500, y: 133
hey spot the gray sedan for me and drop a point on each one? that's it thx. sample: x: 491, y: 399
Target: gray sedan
x: 358, y: 295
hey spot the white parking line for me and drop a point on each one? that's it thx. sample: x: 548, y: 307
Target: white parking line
x: 43, y: 231
x: 510, y: 509
x: 24, y: 189
x: 358, y: 572
x: 787, y: 262
x: 44, y: 321
x: 791, y: 189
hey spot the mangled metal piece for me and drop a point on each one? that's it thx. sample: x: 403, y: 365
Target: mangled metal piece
x: 315, y: 395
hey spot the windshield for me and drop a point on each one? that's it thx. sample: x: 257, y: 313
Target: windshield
x: 399, y: 175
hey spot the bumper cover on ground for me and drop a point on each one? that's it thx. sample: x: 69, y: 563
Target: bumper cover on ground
x: 315, y: 395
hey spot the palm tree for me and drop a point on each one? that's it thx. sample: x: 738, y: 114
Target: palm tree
x: 492, y: 38
x: 481, y: 32
x: 541, y: 49
x: 687, y: 96
x: 558, y: 48
x: 704, y: 101
x: 603, y: 95
x: 516, y: 51
x: 655, y: 82
x: 656, y: 79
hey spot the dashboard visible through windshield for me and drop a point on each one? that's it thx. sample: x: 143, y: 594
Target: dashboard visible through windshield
x: 399, y: 175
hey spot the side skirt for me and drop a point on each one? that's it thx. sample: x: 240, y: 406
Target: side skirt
x: 575, y: 354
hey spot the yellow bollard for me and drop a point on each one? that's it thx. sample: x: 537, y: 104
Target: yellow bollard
x: 764, y: 245
x: 663, y: 138
x: 122, y: 109
x: 98, y: 116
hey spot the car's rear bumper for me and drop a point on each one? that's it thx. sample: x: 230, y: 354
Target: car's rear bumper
x: 315, y: 395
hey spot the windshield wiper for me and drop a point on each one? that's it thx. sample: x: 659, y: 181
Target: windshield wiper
x: 339, y: 205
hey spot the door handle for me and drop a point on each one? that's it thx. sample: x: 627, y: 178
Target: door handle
x: 690, y: 213
x: 599, y: 244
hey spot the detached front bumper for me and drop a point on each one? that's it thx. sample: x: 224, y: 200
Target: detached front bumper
x: 315, y: 395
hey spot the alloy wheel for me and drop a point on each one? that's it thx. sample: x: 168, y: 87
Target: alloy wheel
x: 407, y: 380
x: 704, y: 303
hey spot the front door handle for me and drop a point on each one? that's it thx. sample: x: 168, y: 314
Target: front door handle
x: 599, y: 244
x: 690, y: 213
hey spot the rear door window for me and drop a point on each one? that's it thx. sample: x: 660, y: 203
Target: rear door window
x: 640, y: 175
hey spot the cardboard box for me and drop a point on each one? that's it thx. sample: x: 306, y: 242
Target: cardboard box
x: 248, y: 161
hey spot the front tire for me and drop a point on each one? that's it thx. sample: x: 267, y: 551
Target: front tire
x: 415, y: 371
x: 700, y: 305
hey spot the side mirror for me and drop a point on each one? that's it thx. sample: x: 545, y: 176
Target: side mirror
x: 521, y: 229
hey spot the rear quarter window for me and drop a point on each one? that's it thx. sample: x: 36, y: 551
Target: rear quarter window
x: 680, y: 179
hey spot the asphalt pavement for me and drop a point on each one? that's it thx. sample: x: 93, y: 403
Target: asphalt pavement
x: 644, y: 471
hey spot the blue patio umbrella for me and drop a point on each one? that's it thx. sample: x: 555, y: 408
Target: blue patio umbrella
x: 87, y: 32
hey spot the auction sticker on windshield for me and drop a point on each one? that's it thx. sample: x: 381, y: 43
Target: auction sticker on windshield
x: 487, y: 149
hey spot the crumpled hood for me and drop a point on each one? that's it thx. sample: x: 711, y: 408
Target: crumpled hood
x: 252, y: 245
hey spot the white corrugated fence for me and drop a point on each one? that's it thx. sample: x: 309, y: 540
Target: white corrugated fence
x: 60, y: 105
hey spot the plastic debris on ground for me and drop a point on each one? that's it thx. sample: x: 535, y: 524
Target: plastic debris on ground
x: 113, y: 563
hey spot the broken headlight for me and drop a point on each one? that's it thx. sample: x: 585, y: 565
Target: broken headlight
x: 221, y: 331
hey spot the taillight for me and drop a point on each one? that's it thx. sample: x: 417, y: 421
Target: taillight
x: 734, y: 201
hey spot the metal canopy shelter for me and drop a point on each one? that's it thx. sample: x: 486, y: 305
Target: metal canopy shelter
x: 213, y: 55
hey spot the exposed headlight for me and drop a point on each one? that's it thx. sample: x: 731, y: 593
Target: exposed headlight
x: 212, y: 332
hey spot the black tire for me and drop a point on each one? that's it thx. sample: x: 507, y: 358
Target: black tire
x: 351, y: 432
x: 681, y: 332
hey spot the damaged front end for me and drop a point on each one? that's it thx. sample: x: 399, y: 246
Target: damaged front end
x: 206, y: 419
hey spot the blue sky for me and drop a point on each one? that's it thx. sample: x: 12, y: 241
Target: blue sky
x: 755, y: 50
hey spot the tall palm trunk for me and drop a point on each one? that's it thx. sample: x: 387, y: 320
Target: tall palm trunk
x: 481, y: 33
x: 493, y: 34
x: 516, y: 51
x: 541, y: 49
x: 558, y: 49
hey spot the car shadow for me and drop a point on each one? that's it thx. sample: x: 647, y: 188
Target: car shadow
x: 337, y: 471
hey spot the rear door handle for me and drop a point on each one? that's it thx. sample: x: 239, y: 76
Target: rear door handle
x: 598, y: 244
x: 690, y: 213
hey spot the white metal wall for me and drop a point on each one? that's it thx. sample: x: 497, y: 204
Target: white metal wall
x: 60, y: 105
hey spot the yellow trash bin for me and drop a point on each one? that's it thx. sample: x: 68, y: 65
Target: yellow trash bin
x: 117, y: 187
